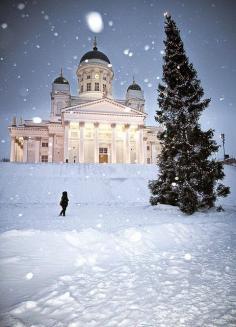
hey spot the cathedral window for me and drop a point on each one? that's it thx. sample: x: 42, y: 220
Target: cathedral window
x: 88, y: 86
x: 44, y: 158
x: 81, y: 88
x: 104, y: 78
x: 103, y: 150
x: 44, y: 144
x: 96, y: 86
x: 104, y: 87
x: 88, y: 76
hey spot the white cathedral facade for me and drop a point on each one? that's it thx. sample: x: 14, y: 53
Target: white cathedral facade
x: 91, y: 127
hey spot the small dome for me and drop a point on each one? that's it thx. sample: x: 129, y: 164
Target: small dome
x: 95, y: 54
x: 60, y: 80
x: 134, y: 86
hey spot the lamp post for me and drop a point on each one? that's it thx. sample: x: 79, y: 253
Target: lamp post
x: 222, y: 136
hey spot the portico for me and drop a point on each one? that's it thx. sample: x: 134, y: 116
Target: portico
x: 103, y: 143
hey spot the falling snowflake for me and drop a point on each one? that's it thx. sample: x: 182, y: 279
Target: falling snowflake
x: 187, y: 257
x: 147, y: 47
x: 46, y: 17
x: 146, y: 80
x: 94, y: 21
x: 110, y: 23
x: 126, y: 52
x: 21, y: 6
x: 37, y: 46
x: 55, y: 34
x: 149, y: 85
x: 130, y: 54
x: 4, y: 25
x: 162, y: 52
x: 29, y: 275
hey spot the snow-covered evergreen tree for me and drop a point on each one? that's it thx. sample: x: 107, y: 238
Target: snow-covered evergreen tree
x: 187, y: 174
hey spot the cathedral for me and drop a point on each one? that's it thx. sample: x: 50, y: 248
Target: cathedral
x: 91, y: 127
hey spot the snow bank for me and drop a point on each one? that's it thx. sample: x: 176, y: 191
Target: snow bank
x: 44, y: 183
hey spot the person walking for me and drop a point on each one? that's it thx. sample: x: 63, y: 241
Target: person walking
x: 64, y: 203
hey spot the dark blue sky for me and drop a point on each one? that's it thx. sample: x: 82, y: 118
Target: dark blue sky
x: 38, y: 37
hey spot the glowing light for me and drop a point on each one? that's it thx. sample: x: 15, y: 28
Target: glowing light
x: 94, y: 21
x: 37, y: 120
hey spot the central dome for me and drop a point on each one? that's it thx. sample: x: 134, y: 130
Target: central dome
x: 95, y: 54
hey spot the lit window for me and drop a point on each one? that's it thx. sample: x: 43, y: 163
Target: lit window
x: 44, y: 158
x: 96, y: 86
x: 88, y: 86
x: 103, y: 150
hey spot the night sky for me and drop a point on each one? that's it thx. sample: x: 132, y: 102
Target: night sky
x: 38, y: 37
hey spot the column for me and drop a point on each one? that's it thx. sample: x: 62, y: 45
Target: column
x: 145, y: 150
x: 37, y: 149
x: 66, y: 142
x: 25, y: 149
x: 50, y: 147
x: 127, y: 144
x: 96, y: 143
x: 141, y: 160
x: 16, y: 152
x: 81, y: 142
x: 13, y: 152
x: 139, y: 145
x: 113, y: 143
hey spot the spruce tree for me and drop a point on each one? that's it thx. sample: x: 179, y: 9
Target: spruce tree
x: 187, y: 173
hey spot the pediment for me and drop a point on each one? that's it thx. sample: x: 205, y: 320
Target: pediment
x: 108, y: 106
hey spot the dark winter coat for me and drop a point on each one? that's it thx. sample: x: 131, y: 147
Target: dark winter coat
x: 64, y: 200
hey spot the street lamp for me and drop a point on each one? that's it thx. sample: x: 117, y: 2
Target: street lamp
x: 222, y: 136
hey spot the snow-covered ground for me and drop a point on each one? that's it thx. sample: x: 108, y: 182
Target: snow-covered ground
x: 113, y: 260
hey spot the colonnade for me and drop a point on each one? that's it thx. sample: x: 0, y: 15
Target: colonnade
x: 139, y: 143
